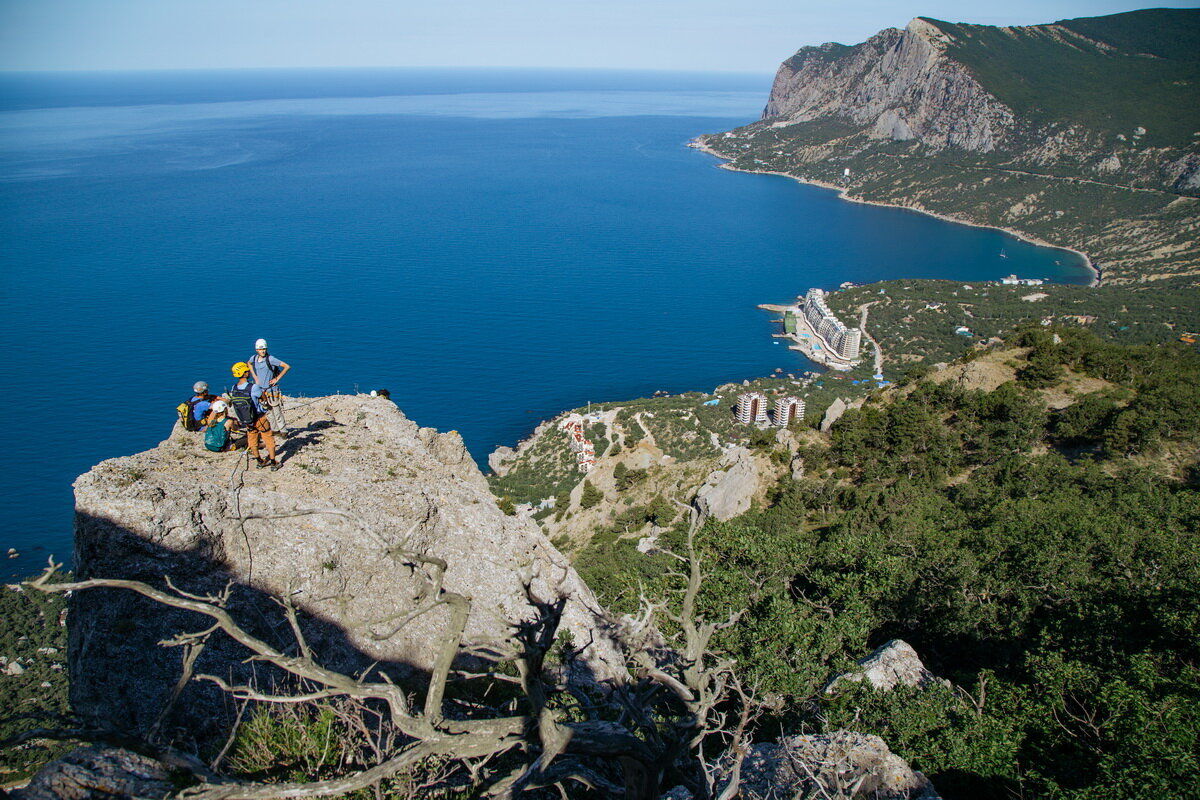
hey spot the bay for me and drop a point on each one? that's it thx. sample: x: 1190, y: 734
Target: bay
x: 493, y: 248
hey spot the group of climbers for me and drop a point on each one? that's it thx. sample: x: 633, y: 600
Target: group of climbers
x: 253, y: 407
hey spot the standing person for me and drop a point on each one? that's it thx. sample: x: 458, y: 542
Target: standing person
x: 267, y: 371
x: 251, y: 416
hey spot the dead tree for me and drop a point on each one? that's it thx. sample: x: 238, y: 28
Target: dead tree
x: 684, y: 700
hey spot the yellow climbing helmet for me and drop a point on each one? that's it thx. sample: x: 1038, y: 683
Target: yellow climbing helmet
x: 240, y: 369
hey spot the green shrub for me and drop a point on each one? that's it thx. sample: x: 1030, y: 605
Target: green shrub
x: 591, y: 496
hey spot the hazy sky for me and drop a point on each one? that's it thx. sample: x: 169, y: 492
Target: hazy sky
x: 727, y: 35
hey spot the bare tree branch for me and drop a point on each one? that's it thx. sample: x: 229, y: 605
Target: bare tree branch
x: 681, y: 698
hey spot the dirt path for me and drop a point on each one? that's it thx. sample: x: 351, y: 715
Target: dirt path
x: 649, y: 436
x: 862, y: 325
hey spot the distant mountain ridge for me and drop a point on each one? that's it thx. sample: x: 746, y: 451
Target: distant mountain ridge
x: 1058, y: 131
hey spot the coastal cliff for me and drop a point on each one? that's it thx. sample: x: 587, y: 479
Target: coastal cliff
x: 363, y: 492
x: 1081, y: 133
x: 900, y: 85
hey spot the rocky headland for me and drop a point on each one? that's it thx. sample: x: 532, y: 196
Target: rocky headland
x: 349, y: 531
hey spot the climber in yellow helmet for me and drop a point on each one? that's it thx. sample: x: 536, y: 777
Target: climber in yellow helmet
x: 251, y: 416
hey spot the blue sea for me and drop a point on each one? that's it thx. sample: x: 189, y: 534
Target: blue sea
x: 491, y: 247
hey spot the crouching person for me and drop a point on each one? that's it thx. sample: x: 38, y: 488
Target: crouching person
x: 219, y: 428
x: 252, y: 417
x: 192, y: 412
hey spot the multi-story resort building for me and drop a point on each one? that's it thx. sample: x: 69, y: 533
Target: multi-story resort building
x: 752, y: 407
x: 581, y: 446
x: 788, y: 410
x: 843, y: 341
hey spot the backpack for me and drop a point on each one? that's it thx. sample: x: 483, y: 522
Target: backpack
x: 216, y: 437
x: 243, y: 406
x: 187, y: 414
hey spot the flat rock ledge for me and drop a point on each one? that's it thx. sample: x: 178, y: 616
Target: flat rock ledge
x: 361, y: 490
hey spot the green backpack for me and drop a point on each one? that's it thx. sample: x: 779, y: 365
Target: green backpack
x: 216, y: 437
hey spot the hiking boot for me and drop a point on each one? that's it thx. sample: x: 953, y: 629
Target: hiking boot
x: 262, y: 462
x: 275, y: 465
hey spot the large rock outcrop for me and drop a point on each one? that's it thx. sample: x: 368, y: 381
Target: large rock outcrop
x: 729, y: 490
x: 899, y: 83
x: 841, y: 764
x: 892, y: 664
x: 100, y: 773
x: 361, y: 491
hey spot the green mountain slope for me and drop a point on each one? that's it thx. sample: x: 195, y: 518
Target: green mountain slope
x: 1120, y: 72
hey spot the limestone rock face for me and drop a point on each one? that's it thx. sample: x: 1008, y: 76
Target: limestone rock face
x: 835, y: 411
x: 1184, y: 173
x: 728, y: 491
x: 841, y: 764
x: 499, y: 457
x: 893, y: 664
x: 363, y: 490
x: 899, y: 83
x: 832, y: 414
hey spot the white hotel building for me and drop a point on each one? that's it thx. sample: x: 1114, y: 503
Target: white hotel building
x: 788, y: 410
x: 840, y: 339
x: 752, y: 407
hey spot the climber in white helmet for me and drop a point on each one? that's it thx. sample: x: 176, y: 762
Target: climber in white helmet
x: 267, y: 371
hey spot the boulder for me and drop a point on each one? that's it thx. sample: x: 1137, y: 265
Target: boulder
x: 727, y: 492
x: 499, y: 457
x: 797, y: 467
x: 99, y: 773
x: 842, y: 764
x: 892, y: 664
x: 835, y: 411
x: 832, y: 414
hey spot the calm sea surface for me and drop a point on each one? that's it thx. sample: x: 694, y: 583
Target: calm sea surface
x: 492, y: 248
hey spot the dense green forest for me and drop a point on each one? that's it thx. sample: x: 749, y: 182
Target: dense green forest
x: 33, y: 677
x: 1044, y: 561
x: 914, y: 321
